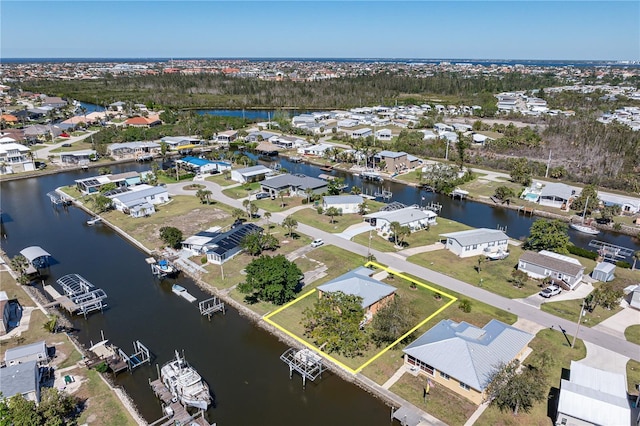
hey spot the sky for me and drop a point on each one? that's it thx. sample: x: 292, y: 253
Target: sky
x: 518, y: 29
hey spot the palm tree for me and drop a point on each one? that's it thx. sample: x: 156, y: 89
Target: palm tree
x: 636, y: 257
x: 246, y: 204
x: 355, y: 190
x: 267, y: 215
x: 237, y: 213
x: 281, y: 196
x: 309, y: 193
x: 332, y: 212
x: 290, y: 223
x: 253, y: 210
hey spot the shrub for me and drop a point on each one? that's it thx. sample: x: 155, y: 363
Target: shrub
x: 579, y: 251
x: 623, y: 264
x: 203, y: 260
x: 320, y: 210
x: 617, y: 226
x: 102, y: 367
x: 465, y: 305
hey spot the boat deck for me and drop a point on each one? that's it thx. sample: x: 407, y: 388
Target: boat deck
x: 180, y: 414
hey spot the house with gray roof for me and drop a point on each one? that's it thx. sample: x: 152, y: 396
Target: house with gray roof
x: 149, y: 196
x: 391, y: 161
x: 462, y: 357
x: 475, y: 242
x: 358, y: 282
x: 412, y: 217
x: 556, y: 195
x: 222, y: 246
x: 33, y: 352
x: 593, y: 397
x: 251, y: 174
x: 140, y: 149
x: 78, y: 157
x: 344, y: 203
x: 564, y: 269
x: 21, y: 379
x: 294, y: 185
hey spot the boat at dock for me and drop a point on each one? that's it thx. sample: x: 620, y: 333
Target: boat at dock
x: 185, y: 384
x: 585, y: 229
x: 95, y: 220
x: 182, y: 292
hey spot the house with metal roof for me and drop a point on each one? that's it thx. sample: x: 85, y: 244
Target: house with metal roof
x: 202, y: 166
x: 294, y: 185
x: 21, y: 379
x: 361, y: 133
x: 93, y: 184
x: 475, y: 242
x: 147, y: 196
x: 137, y: 150
x: 78, y: 157
x: 33, y: 352
x: 412, y: 217
x: 462, y: 357
x: 567, y: 270
x: 556, y: 195
x: 225, y: 245
x: 345, y: 203
x: 358, y: 282
x: 593, y: 397
x: 604, y: 271
x: 176, y: 143
x: 251, y: 174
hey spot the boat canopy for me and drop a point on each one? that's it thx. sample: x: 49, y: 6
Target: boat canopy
x: 33, y: 253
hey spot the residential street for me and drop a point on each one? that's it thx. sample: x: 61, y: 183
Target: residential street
x: 398, y: 262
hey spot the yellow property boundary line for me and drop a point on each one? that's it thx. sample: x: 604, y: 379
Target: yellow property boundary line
x: 268, y: 319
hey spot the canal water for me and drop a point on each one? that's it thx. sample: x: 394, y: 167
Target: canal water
x: 239, y: 360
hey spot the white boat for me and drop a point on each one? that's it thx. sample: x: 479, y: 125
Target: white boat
x: 166, y: 268
x: 178, y: 289
x: 185, y: 384
x: 585, y: 229
x: 496, y: 255
x: 93, y: 221
x: 581, y: 227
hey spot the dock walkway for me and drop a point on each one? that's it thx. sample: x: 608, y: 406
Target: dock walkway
x: 180, y: 414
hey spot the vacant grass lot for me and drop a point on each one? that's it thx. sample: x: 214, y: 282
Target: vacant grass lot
x: 495, y: 274
x: 480, y: 187
x: 242, y: 191
x: 632, y: 334
x: 221, y: 180
x: 321, y: 221
x: 276, y: 205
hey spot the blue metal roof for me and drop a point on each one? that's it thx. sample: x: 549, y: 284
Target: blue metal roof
x: 197, y: 161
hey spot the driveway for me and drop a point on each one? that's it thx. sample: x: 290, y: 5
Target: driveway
x: 618, y: 323
x: 353, y: 230
x: 580, y: 293
x: 605, y: 359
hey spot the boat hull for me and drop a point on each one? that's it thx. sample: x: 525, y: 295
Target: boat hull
x: 584, y: 229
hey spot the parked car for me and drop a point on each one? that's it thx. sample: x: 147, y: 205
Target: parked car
x: 66, y: 145
x: 550, y: 291
x: 317, y: 243
x: 261, y: 195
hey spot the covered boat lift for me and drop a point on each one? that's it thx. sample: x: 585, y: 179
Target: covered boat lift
x: 37, y: 258
x: 81, y: 296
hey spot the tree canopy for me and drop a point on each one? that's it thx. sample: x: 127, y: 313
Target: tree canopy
x: 171, y: 236
x: 511, y: 389
x: 392, y: 321
x: 271, y: 279
x: 334, y: 323
x: 548, y: 235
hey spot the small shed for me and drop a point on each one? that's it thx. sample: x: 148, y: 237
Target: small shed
x: 603, y: 272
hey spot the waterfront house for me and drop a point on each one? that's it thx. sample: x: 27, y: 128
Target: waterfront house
x: 21, y: 379
x: 227, y: 136
x: 628, y: 205
x: 222, y: 246
x: 202, y: 166
x: 54, y: 102
x: 557, y: 195
x: 358, y: 282
x: 179, y: 143
x: 566, y: 270
x: 476, y: 242
x: 135, y: 150
x: 316, y: 150
x: 93, y: 184
x: 15, y: 157
x: 604, y: 271
x: 140, y: 202
x: 345, y: 203
x: 150, y: 121
x: 462, y: 357
x: 591, y: 396
x: 413, y: 217
x: 293, y: 185
x: 395, y: 161
x: 288, y: 142
x: 251, y: 174
x: 77, y: 157
x: 260, y: 136
x: 37, y: 352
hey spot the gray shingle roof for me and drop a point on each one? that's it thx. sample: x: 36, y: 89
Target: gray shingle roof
x: 550, y: 262
x: 359, y: 283
x: 18, y: 379
x: 558, y: 190
x: 33, y: 349
x: 300, y: 182
x: 403, y: 216
x: 342, y: 199
x: 476, y: 236
x: 467, y: 353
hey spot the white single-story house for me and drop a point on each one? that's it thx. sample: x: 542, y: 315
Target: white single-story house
x: 384, y: 135
x: 222, y: 246
x: 442, y: 128
x: 358, y: 282
x: 134, y: 149
x: 202, y: 166
x: 628, y: 205
x: 345, y: 203
x: 556, y: 195
x: 75, y: 157
x: 604, y: 271
x: 567, y: 270
x: 293, y: 185
x: 33, y: 352
x: 251, y: 174
x: 288, y: 142
x: 260, y: 136
x: 227, y: 136
x: 411, y: 216
x: 593, y: 397
x: 146, y: 195
x: 361, y: 133
x: 475, y: 242
x: 176, y: 143
x: 462, y: 357
x: 21, y: 379
x: 317, y: 150
x: 428, y: 135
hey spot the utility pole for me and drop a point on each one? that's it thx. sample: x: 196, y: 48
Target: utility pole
x: 369, y: 250
x: 575, y: 336
x: 446, y: 155
x: 546, y: 174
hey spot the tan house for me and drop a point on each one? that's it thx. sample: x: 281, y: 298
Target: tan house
x: 393, y: 162
x: 375, y: 294
x: 462, y: 357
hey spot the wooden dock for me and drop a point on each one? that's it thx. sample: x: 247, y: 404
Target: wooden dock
x: 177, y: 414
x: 210, y: 306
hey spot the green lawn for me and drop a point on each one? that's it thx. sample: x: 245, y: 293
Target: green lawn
x: 276, y: 205
x: 632, y: 334
x: 14, y: 290
x: 633, y: 376
x: 103, y: 407
x: 495, y: 274
x: 570, y: 310
x: 481, y: 187
x: 554, y: 343
x: 242, y: 191
x: 410, y: 177
x: 321, y: 221
x: 221, y: 180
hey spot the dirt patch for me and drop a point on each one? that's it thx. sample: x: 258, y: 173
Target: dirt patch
x: 189, y: 223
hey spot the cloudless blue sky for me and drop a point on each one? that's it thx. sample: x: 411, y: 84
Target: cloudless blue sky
x: 575, y: 30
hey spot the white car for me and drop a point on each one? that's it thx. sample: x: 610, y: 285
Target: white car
x: 550, y: 291
x: 317, y: 243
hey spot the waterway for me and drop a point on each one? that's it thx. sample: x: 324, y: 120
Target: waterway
x: 239, y: 360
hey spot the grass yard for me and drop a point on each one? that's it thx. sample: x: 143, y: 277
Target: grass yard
x: 633, y: 376
x: 554, y: 343
x: 276, y: 205
x: 321, y: 221
x: 242, y: 191
x: 495, y: 274
x: 102, y: 406
x: 75, y: 146
x: 480, y: 187
x: 221, y: 180
x: 632, y: 334
x: 412, y: 177
x: 14, y: 290
x: 442, y: 403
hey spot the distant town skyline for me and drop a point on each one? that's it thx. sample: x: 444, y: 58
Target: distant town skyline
x: 519, y: 29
